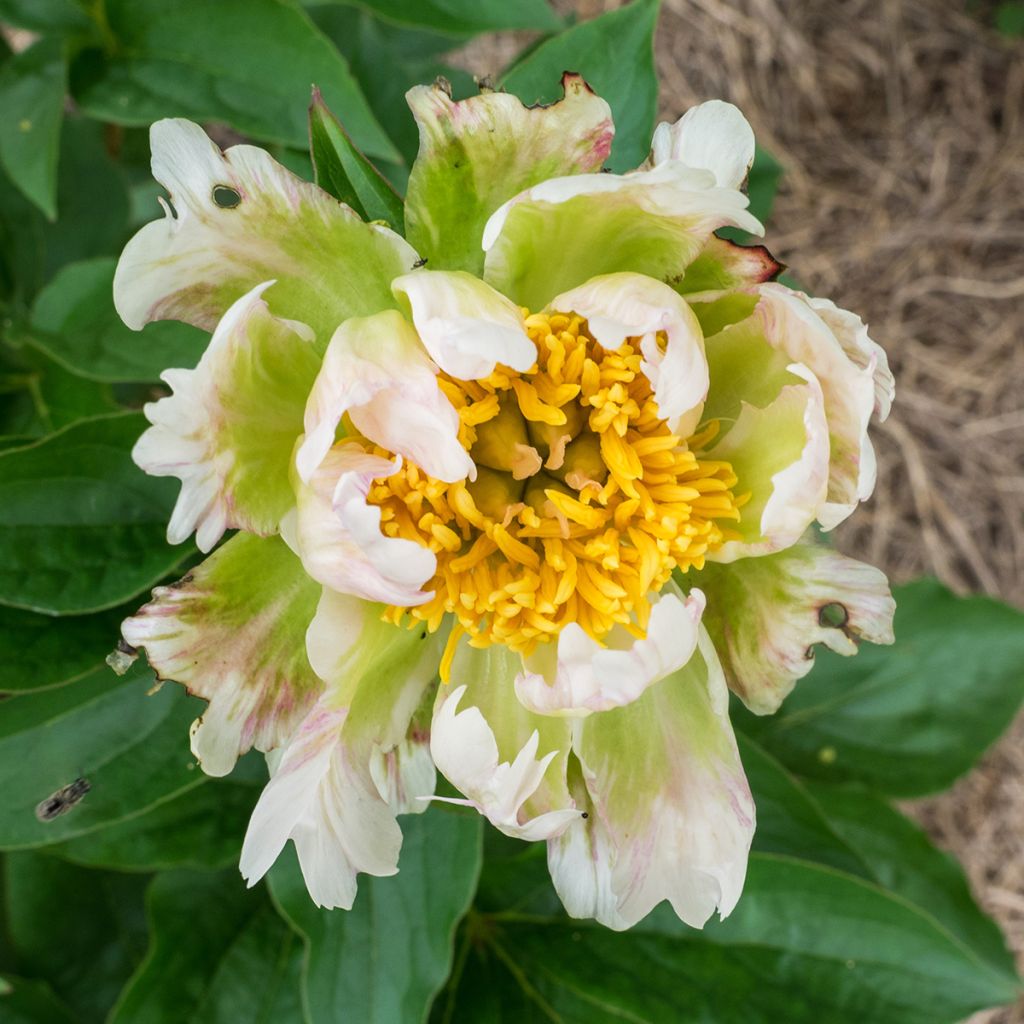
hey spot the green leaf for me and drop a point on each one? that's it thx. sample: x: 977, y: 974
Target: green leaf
x: 249, y: 63
x: 92, y: 214
x: 27, y: 1001
x: 38, y: 652
x: 32, y: 86
x: 467, y: 17
x: 762, y: 184
x: 81, y: 931
x: 74, y: 321
x: 1010, y: 18
x: 45, y: 15
x: 200, y: 828
x: 388, y: 60
x: 217, y: 953
x: 130, y: 746
x: 806, y: 945
x: 615, y: 54
x: 909, y: 719
x: 901, y: 858
x: 81, y: 528
x: 383, y: 961
x: 344, y: 172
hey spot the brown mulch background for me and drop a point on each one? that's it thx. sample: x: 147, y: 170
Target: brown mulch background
x: 900, y: 125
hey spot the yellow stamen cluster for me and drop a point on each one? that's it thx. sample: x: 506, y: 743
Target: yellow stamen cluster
x: 584, y: 504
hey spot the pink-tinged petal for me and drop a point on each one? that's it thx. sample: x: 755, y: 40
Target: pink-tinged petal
x: 232, y: 633
x: 324, y: 793
x: 325, y: 801
x: 670, y: 814
x: 241, y: 218
x: 713, y: 136
x: 619, y: 306
x: 854, y: 378
x: 465, y: 751
x: 230, y: 426
x: 377, y: 373
x: 765, y: 616
x: 578, y: 676
x: 722, y: 268
x: 477, y: 152
x: 467, y: 327
x: 560, y: 233
x: 338, y: 534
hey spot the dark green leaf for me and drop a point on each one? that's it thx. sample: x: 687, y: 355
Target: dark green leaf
x: 806, y: 945
x: 27, y: 1001
x: 901, y: 858
x: 344, y: 172
x: 32, y: 86
x: 74, y: 320
x: 249, y: 63
x: 81, y: 527
x: 131, y: 747
x: 217, y: 953
x: 45, y: 15
x: 388, y: 61
x: 200, y: 828
x: 763, y: 183
x: 38, y: 652
x: 466, y: 17
x: 77, y: 929
x: 1010, y: 18
x: 909, y: 719
x: 615, y: 54
x: 383, y: 961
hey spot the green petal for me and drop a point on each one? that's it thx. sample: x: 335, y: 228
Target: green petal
x: 766, y: 614
x: 233, y: 632
x: 724, y: 266
x: 228, y: 430
x: 478, y: 152
x: 240, y: 219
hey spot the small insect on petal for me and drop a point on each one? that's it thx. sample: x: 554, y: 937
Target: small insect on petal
x: 63, y: 800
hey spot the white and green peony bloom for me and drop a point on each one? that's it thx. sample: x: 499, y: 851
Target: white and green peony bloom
x: 518, y: 496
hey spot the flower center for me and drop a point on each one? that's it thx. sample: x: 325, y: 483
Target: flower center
x: 584, y: 504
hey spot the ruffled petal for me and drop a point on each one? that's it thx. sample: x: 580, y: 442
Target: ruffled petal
x: 377, y: 373
x: 723, y: 268
x: 477, y: 152
x: 579, y: 676
x: 669, y: 812
x: 489, y: 749
x: 232, y: 632
x: 712, y: 136
x: 766, y: 614
x: 619, y: 306
x: 229, y: 429
x: 780, y: 456
x: 323, y: 794
x: 241, y: 218
x: 854, y: 377
x: 465, y: 325
x: 339, y: 538
x: 556, y: 235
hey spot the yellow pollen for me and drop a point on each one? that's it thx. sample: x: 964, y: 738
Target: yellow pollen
x: 584, y: 504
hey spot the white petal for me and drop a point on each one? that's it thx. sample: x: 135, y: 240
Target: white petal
x: 467, y: 327
x: 377, y: 372
x: 588, y: 677
x: 339, y: 537
x: 619, y: 306
x: 328, y: 265
x: 712, y: 136
x: 228, y: 430
x: 669, y: 811
x: 465, y: 751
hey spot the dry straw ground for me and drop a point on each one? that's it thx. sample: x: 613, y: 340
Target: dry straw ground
x: 900, y: 124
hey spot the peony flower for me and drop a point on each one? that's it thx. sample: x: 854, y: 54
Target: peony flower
x: 518, y: 496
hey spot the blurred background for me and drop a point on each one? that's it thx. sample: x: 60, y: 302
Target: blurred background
x: 899, y: 129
